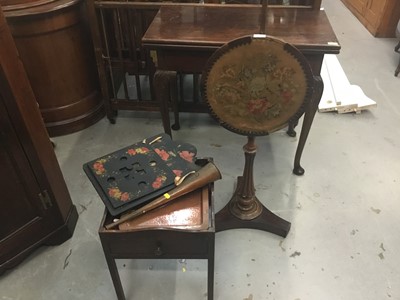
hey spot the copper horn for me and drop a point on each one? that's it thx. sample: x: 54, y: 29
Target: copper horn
x: 207, y: 174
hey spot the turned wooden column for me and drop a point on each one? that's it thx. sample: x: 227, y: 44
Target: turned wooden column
x: 245, y: 205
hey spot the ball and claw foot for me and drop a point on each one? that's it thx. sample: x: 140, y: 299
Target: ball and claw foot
x: 292, y: 125
x: 298, y: 170
x: 176, y: 126
x: 111, y: 116
x: 291, y: 132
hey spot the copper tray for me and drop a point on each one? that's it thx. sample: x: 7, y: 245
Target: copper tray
x: 189, y: 212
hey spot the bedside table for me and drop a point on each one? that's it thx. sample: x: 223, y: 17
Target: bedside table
x: 181, y: 229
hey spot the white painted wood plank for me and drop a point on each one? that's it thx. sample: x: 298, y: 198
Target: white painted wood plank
x: 339, y: 95
x: 328, y: 99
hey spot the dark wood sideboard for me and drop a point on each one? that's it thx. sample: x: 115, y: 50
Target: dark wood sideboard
x: 36, y: 207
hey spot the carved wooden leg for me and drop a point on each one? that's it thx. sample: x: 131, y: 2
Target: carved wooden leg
x: 111, y: 115
x: 173, y: 84
x: 163, y: 84
x: 151, y: 83
x: 292, y: 125
x: 210, y: 267
x: 398, y: 67
x: 196, y: 85
x: 307, y: 122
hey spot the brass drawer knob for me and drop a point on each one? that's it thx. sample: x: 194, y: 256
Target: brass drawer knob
x: 158, y: 251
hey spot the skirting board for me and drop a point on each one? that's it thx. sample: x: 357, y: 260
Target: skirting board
x: 339, y: 95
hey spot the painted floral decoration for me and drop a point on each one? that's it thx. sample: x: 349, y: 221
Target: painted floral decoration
x: 117, y: 194
x: 131, y: 152
x: 159, y: 181
x: 98, y: 166
x: 177, y: 172
x: 186, y: 155
x: 162, y: 153
x: 141, y: 150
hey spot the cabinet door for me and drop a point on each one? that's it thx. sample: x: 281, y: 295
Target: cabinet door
x: 359, y: 5
x: 24, y: 219
x: 374, y: 11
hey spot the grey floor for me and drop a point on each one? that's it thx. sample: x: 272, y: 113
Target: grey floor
x: 344, y: 211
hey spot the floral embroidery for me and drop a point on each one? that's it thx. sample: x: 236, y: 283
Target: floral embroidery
x: 98, y: 166
x: 256, y: 88
x: 287, y: 95
x: 162, y: 153
x: 258, y: 106
x: 117, y: 194
x: 228, y: 73
x: 186, y: 155
x: 283, y: 73
x: 159, y: 181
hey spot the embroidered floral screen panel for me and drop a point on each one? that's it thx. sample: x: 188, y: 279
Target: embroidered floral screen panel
x: 255, y: 86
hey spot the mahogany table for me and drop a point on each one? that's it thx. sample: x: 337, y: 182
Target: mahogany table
x: 184, y: 37
x: 183, y: 228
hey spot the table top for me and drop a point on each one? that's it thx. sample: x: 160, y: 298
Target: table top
x: 211, y: 26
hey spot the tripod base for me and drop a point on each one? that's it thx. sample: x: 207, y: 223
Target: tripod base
x: 227, y: 218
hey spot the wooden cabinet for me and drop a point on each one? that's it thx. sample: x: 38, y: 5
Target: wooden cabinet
x: 54, y: 44
x: 35, y: 204
x: 380, y: 17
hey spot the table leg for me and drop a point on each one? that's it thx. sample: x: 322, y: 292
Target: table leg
x: 111, y: 114
x: 165, y: 90
x: 307, y: 122
x: 173, y: 85
x: 398, y: 66
x: 210, y: 267
x: 112, y: 266
x: 292, y: 125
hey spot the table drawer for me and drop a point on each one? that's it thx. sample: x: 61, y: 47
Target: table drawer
x: 158, y: 244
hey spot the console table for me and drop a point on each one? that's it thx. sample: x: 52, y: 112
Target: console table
x: 184, y: 37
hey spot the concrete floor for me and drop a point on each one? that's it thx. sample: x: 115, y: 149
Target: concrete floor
x: 344, y: 211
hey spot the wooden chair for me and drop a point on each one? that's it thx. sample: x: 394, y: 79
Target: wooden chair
x: 117, y: 28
